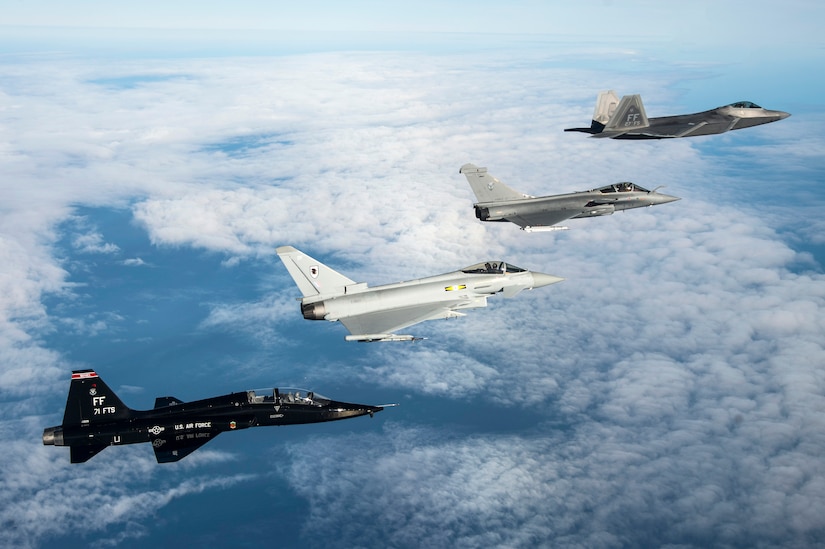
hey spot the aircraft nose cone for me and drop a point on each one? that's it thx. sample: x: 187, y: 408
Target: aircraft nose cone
x: 776, y: 115
x: 660, y: 198
x: 356, y: 411
x: 541, y: 279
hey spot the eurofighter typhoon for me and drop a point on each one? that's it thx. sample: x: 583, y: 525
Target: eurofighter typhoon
x: 498, y: 202
x: 375, y: 314
x: 96, y: 418
x: 626, y: 119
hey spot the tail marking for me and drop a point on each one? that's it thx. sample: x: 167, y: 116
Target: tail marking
x: 629, y: 115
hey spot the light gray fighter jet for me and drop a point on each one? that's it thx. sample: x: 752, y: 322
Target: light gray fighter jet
x: 626, y: 119
x: 498, y: 202
x: 375, y: 314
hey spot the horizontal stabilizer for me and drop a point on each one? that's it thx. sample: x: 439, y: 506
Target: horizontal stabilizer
x: 82, y: 454
x: 606, y: 103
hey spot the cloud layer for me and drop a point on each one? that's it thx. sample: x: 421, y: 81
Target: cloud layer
x: 675, y: 373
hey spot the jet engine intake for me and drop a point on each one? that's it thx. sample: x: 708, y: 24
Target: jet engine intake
x: 597, y: 210
x: 314, y: 311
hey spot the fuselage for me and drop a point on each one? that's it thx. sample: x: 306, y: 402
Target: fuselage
x: 596, y: 202
x: 470, y: 288
x: 711, y: 122
x: 205, y: 419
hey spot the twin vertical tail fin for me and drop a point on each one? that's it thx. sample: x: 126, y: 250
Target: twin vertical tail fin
x: 90, y: 401
x: 312, y: 277
x: 612, y: 115
x: 606, y: 104
x: 487, y: 188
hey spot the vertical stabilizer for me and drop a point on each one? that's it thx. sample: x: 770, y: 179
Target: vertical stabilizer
x: 487, y: 188
x: 312, y: 277
x: 629, y: 115
x: 606, y: 104
x: 92, y: 401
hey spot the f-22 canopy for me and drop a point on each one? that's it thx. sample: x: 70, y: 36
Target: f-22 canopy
x: 627, y: 119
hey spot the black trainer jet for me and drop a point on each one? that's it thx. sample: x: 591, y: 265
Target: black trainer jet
x: 626, y: 119
x: 96, y: 418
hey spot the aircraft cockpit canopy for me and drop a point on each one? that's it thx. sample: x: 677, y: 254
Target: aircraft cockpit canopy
x: 744, y: 105
x: 623, y: 187
x: 286, y: 395
x: 492, y: 267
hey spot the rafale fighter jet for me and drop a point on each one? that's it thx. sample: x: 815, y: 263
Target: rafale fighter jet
x: 626, y: 119
x: 95, y: 418
x: 374, y: 314
x: 498, y: 202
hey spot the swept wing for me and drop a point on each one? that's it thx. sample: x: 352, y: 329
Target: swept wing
x: 388, y: 322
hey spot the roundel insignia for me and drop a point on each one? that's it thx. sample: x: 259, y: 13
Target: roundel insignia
x: 158, y: 442
x: 313, y: 271
x: 232, y: 424
x: 156, y: 430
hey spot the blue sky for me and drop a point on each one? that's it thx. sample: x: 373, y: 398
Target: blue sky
x: 703, y: 21
x: 669, y: 392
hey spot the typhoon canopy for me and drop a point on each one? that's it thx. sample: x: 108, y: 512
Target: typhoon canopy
x: 375, y: 314
x: 96, y: 418
x: 498, y: 202
x: 626, y: 119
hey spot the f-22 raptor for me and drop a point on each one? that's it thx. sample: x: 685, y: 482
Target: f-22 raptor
x: 626, y: 119
x: 96, y: 418
x: 498, y: 202
x: 375, y: 314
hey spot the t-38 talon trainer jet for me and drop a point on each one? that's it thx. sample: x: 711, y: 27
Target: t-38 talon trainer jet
x: 626, y: 119
x: 498, y: 202
x: 374, y: 314
x: 95, y: 418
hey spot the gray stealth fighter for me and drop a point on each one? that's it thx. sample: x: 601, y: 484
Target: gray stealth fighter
x: 498, y: 202
x: 374, y: 314
x: 626, y: 119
